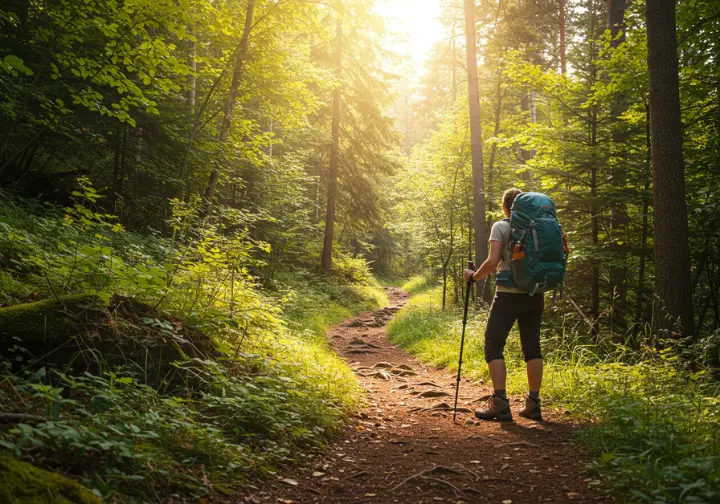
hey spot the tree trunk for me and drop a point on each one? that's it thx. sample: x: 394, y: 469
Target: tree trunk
x: 618, y: 220
x: 115, y: 192
x: 493, y: 149
x: 120, y: 187
x: 481, y: 246
x: 456, y: 282
x: 326, y: 260
x: 193, y: 78
x: 640, y: 294
x: 616, y: 19
x: 594, y: 225
x: 453, y: 63
x: 672, y: 254
x: 232, y: 98
x: 594, y: 207
x: 563, y: 43
x: 444, y: 288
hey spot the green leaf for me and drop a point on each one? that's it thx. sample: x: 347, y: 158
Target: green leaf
x: 17, y: 64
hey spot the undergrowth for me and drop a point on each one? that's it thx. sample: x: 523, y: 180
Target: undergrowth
x: 652, y: 423
x: 272, y: 396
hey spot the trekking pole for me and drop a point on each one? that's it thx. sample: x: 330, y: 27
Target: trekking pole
x: 471, y: 266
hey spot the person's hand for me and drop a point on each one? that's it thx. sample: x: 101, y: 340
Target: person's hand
x: 468, y: 275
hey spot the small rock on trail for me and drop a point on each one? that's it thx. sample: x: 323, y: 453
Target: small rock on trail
x: 402, y: 448
x: 434, y: 393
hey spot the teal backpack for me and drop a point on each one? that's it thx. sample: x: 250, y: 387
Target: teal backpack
x: 537, y: 249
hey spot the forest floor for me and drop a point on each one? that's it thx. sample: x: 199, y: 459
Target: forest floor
x: 404, y: 447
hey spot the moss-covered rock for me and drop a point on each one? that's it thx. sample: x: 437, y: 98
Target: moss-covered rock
x: 23, y: 483
x: 31, y: 324
x: 78, y: 334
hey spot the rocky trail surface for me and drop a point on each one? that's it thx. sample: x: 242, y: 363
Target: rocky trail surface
x: 403, y: 447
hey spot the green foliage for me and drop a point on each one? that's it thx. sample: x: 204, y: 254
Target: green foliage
x: 277, y: 392
x: 315, y: 304
x: 417, y: 284
x: 247, y: 420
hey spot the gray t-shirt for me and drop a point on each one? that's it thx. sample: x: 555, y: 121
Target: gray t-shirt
x: 501, y: 232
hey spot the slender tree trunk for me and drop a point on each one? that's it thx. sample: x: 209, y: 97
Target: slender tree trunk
x: 317, y: 193
x: 470, y: 243
x: 715, y: 299
x: 594, y: 207
x: 326, y: 260
x: 453, y: 63
x: 701, y: 317
x: 196, y: 127
x: 116, y: 170
x: 481, y: 246
x: 406, y: 141
x: 120, y: 193
x: 618, y: 220
x: 193, y: 78
x: 595, y: 227
x: 232, y: 98
x: 493, y: 149
x: 444, y: 288
x: 616, y: 20
x: 563, y: 43
x: 645, y: 226
x: 524, y: 154
x: 672, y: 254
x: 451, y: 247
x: 455, y: 282
x: 643, y: 258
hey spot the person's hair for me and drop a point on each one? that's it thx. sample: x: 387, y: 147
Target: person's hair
x: 509, y: 197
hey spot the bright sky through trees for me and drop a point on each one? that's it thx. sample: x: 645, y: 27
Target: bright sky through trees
x: 418, y: 21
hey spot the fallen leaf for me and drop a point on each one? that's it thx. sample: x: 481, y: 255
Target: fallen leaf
x: 370, y: 495
x: 290, y: 481
x: 317, y: 474
x: 475, y: 462
x: 506, y: 466
x: 507, y: 501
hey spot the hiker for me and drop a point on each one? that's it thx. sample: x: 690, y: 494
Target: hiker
x: 510, y: 304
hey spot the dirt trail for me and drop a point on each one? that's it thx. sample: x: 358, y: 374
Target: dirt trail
x: 403, y: 446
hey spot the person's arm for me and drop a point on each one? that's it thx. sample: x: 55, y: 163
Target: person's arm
x: 490, y: 263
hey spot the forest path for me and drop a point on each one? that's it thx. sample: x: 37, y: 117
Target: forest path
x: 403, y: 446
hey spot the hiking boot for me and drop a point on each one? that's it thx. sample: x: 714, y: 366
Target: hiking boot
x: 532, y: 409
x: 496, y: 407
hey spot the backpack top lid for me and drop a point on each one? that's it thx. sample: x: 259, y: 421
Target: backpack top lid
x: 533, y: 204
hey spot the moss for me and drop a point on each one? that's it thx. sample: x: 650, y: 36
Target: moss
x: 54, y: 333
x: 23, y: 483
x: 40, y: 322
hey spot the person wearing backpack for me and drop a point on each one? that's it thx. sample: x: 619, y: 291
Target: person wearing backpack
x: 528, y: 254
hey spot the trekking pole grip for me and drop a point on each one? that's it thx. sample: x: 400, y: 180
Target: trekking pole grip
x: 471, y: 267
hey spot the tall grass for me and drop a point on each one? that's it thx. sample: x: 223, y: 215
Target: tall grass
x: 653, y: 425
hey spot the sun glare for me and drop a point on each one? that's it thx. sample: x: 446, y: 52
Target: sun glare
x: 418, y: 21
